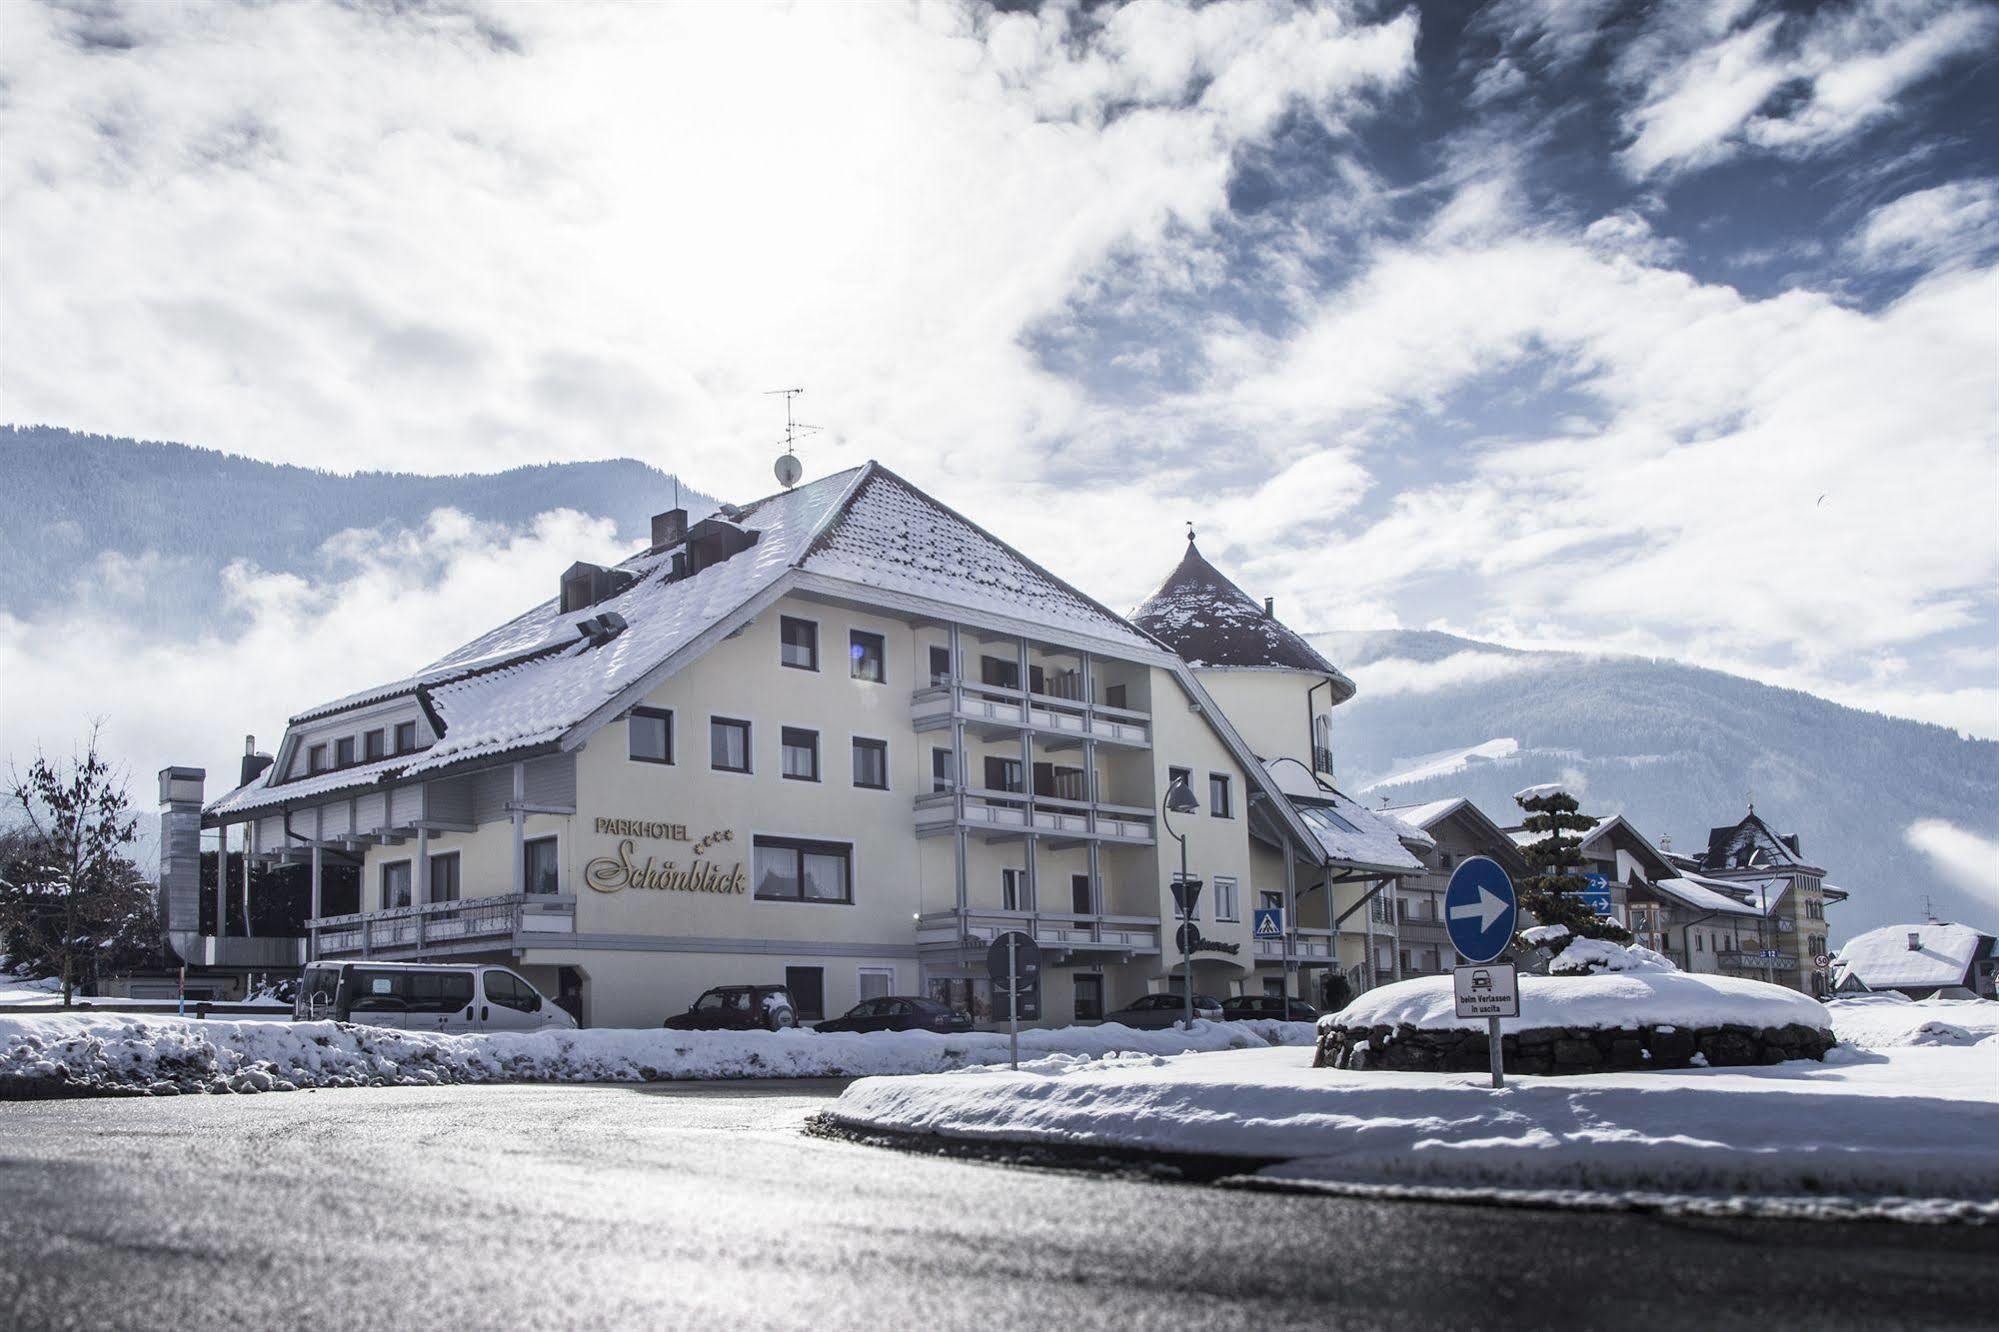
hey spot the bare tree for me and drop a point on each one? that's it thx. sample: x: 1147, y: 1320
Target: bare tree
x: 68, y: 893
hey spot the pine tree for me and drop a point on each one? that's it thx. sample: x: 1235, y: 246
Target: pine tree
x: 1552, y: 894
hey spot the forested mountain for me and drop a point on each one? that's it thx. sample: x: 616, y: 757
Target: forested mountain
x: 1677, y: 749
x: 73, y: 496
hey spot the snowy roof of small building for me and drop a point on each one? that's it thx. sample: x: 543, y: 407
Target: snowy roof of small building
x: 1701, y: 897
x: 1429, y: 814
x: 1347, y: 831
x: 1883, y: 959
x: 1212, y: 623
x: 529, y: 681
x: 1752, y: 844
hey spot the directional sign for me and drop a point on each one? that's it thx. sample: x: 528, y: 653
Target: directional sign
x: 1596, y: 895
x: 1270, y: 922
x: 1479, y: 909
x: 1027, y: 955
x: 1488, y: 991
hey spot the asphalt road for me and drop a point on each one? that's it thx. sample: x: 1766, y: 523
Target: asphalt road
x: 703, y: 1205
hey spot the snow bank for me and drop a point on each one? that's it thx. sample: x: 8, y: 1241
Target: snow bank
x: 1915, y: 1123
x: 1604, y: 999
x: 85, y: 1054
x: 1888, y: 1020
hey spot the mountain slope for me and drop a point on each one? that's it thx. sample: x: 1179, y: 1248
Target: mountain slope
x: 186, y: 512
x: 1678, y: 749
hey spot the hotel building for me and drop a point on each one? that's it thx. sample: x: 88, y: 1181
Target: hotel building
x: 838, y: 738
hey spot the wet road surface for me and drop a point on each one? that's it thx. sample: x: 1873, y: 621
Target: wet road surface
x: 704, y: 1205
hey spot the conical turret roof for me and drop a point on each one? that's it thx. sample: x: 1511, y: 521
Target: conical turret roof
x: 1211, y: 622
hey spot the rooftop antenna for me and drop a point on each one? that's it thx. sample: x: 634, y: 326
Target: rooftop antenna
x: 788, y: 468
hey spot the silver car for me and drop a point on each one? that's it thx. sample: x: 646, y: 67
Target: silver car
x: 1155, y: 1012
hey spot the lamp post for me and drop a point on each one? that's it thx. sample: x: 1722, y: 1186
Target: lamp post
x: 1187, y: 891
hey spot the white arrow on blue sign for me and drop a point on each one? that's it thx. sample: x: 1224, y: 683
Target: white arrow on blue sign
x: 1270, y: 922
x: 1479, y: 909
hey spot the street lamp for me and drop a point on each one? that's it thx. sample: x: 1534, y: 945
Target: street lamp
x: 1187, y: 890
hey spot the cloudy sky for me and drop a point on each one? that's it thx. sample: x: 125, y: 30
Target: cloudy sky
x: 1668, y: 329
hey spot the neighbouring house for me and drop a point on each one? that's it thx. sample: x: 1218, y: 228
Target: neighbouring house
x: 1919, y: 960
x: 1458, y: 830
x: 1767, y: 870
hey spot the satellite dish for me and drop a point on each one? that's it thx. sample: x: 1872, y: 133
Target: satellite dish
x: 788, y: 470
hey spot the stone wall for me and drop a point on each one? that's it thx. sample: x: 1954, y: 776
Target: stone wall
x: 1566, y: 1050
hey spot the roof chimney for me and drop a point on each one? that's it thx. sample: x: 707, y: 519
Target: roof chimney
x: 668, y: 529
x: 1915, y: 941
x: 253, y: 762
x: 1269, y: 608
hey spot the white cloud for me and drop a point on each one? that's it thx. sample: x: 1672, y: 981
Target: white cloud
x: 1712, y: 80
x: 393, y: 602
x: 1942, y: 227
x: 1401, y: 675
x: 1966, y: 859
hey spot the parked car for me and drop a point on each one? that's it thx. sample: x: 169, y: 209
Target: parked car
x: 899, y: 1012
x: 424, y: 996
x: 1278, y: 1007
x: 1158, y: 1011
x: 737, y: 1008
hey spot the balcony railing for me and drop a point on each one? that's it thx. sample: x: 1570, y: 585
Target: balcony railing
x: 1750, y: 959
x: 506, y: 921
x: 1064, y: 931
x: 983, y: 705
x: 1306, y: 946
x: 1049, y: 816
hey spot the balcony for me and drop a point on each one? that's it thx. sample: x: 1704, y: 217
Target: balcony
x: 1753, y: 960
x: 1064, y: 723
x: 475, y: 924
x: 1061, y: 934
x: 1004, y: 815
x: 1307, y: 946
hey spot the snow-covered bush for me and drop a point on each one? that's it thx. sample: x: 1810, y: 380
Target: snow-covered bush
x: 1587, y: 957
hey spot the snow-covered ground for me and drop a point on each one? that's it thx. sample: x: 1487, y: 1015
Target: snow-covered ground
x: 1901, y: 1130
x: 83, y: 1053
x: 1881, y: 1020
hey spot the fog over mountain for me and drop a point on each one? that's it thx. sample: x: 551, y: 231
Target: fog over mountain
x: 122, y: 560
x: 1678, y: 749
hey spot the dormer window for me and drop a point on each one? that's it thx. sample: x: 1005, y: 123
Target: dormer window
x: 406, y: 737
x: 373, y: 744
x: 584, y: 585
x: 315, y: 759
x: 343, y: 752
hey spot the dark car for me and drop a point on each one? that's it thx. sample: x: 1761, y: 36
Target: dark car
x: 1155, y: 1012
x: 1277, y: 1007
x: 737, y: 1008
x: 896, y: 1012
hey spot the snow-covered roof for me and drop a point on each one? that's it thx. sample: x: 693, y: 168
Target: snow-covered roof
x: 1212, y: 623
x: 1882, y: 958
x: 1751, y: 844
x: 1700, y: 897
x: 1427, y: 816
x: 1346, y: 830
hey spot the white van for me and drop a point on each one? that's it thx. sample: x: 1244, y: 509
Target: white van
x: 424, y: 996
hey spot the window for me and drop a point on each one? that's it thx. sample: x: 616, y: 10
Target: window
x: 800, y: 753
x: 396, y: 884
x: 940, y: 665
x: 1405, y: 961
x: 808, y: 992
x: 1114, y: 696
x: 800, y: 649
x: 406, y: 737
x: 868, y: 657
x: 510, y: 991
x: 1013, y: 889
x: 1225, y: 899
x: 1219, y: 804
x: 728, y: 745
x: 999, y: 672
x: 1080, y: 897
x: 444, y: 877
x: 372, y: 744
x: 1089, y: 998
x: 410, y: 991
x: 1271, y: 901
x: 1002, y: 774
x: 940, y: 770
x: 1180, y: 775
x: 343, y: 752
x: 649, y: 734
x: 1700, y: 943
x: 1446, y: 860
x: 315, y: 759
x: 539, y: 873
x: 972, y: 997
x: 788, y: 870
x: 871, y: 764
x: 877, y: 982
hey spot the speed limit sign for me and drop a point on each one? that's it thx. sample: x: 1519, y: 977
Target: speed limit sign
x: 1821, y: 960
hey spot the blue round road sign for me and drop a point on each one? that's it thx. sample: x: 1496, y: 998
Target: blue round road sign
x: 1479, y: 909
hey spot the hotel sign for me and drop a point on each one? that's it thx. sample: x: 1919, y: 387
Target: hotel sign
x: 628, y: 869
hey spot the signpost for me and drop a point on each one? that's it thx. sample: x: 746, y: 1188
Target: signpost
x: 1014, y: 963
x: 1597, y: 894
x: 1187, y: 896
x: 1479, y: 912
x: 1269, y: 923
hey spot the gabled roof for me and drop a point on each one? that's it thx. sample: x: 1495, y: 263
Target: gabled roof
x: 1211, y: 622
x: 1347, y: 832
x: 1883, y: 959
x: 1432, y: 814
x: 1752, y: 844
x: 1702, y: 896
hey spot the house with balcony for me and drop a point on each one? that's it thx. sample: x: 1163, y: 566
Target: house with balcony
x: 1458, y: 830
x: 1767, y: 871
x: 839, y: 738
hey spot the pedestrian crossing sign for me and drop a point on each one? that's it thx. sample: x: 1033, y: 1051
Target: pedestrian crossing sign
x: 1270, y: 922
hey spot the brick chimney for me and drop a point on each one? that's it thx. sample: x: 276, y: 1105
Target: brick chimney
x: 668, y: 529
x: 1915, y: 941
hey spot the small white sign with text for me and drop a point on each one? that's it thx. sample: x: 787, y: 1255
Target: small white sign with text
x: 1489, y: 990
